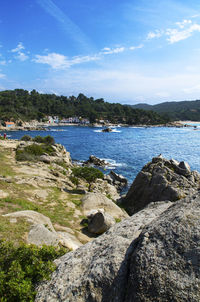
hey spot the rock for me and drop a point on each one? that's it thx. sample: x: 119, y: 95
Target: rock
x: 95, y: 201
x: 107, y: 130
x: 97, y: 271
x: 40, y: 235
x: 93, y: 160
x: 68, y: 240
x: 45, y: 159
x: 100, y: 222
x: 161, y: 179
x: 103, y: 187
x: 165, y: 264
x: 117, y: 180
x: 33, y: 217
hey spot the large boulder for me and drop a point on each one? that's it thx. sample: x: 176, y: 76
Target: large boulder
x: 96, y: 201
x: 99, y: 222
x: 97, y: 271
x: 161, y: 179
x: 161, y: 263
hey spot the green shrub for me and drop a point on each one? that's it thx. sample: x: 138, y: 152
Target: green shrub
x: 74, y: 180
x: 90, y: 174
x: 26, y: 138
x: 49, y: 140
x: 22, y: 267
x: 38, y: 139
x: 32, y: 152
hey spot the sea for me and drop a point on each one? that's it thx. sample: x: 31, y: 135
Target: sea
x: 126, y: 149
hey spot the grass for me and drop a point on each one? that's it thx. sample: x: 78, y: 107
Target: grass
x: 5, y: 167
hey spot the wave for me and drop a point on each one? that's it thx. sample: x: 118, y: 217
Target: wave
x: 112, y: 163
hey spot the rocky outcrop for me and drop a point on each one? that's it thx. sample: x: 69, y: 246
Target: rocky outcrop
x: 96, y: 201
x: 98, y: 270
x: 93, y: 160
x: 161, y: 179
x: 117, y: 180
x: 152, y: 256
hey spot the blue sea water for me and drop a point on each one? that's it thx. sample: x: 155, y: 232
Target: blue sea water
x: 127, y: 149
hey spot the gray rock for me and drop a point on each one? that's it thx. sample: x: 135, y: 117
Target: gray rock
x: 100, y: 222
x: 117, y: 180
x: 96, y: 201
x: 40, y: 235
x: 93, y: 160
x: 165, y: 264
x: 32, y: 217
x: 161, y: 179
x: 97, y: 271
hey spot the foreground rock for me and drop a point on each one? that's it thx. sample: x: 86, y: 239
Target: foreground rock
x: 92, y: 272
x: 161, y: 179
x: 125, y: 265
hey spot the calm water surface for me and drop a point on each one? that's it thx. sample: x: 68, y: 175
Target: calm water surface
x: 126, y: 149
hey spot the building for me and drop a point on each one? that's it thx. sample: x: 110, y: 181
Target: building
x: 9, y: 124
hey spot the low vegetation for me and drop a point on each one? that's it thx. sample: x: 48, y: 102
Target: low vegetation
x: 22, y: 267
x: 90, y: 174
x: 33, y: 151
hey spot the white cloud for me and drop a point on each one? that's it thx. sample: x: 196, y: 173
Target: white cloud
x: 20, y: 55
x: 19, y: 47
x: 55, y: 60
x: 155, y: 34
x: 109, y: 51
x: 178, y: 35
x: 58, y: 61
x: 183, y: 23
x: 136, y: 47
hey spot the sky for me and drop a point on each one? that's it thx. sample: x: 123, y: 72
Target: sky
x: 126, y: 51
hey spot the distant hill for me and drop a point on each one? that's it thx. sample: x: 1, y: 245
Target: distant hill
x: 184, y: 110
x: 22, y: 104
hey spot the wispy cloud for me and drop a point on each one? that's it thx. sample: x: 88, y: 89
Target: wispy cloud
x: 155, y: 34
x: 181, y: 31
x: 109, y: 51
x: 60, y: 61
x: 19, y: 47
x: 70, y: 28
x: 176, y: 35
x: 136, y: 47
x: 20, y: 53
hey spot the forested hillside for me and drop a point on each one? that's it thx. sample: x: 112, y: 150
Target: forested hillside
x: 22, y: 104
x: 185, y: 110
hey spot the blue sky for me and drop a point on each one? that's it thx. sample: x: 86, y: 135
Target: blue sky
x: 124, y: 51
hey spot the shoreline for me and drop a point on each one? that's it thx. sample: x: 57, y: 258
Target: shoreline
x: 45, y: 127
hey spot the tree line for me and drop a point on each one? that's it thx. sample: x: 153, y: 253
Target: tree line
x: 20, y: 104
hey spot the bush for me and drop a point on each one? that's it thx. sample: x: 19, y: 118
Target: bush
x: 48, y: 140
x: 26, y: 138
x: 32, y: 152
x: 23, y: 267
x: 90, y: 174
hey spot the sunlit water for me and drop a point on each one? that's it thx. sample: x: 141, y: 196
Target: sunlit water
x: 126, y: 149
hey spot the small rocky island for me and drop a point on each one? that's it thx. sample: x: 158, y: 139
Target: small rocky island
x: 152, y: 255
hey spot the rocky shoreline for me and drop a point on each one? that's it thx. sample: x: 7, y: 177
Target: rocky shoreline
x: 152, y: 255
x: 38, y: 126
